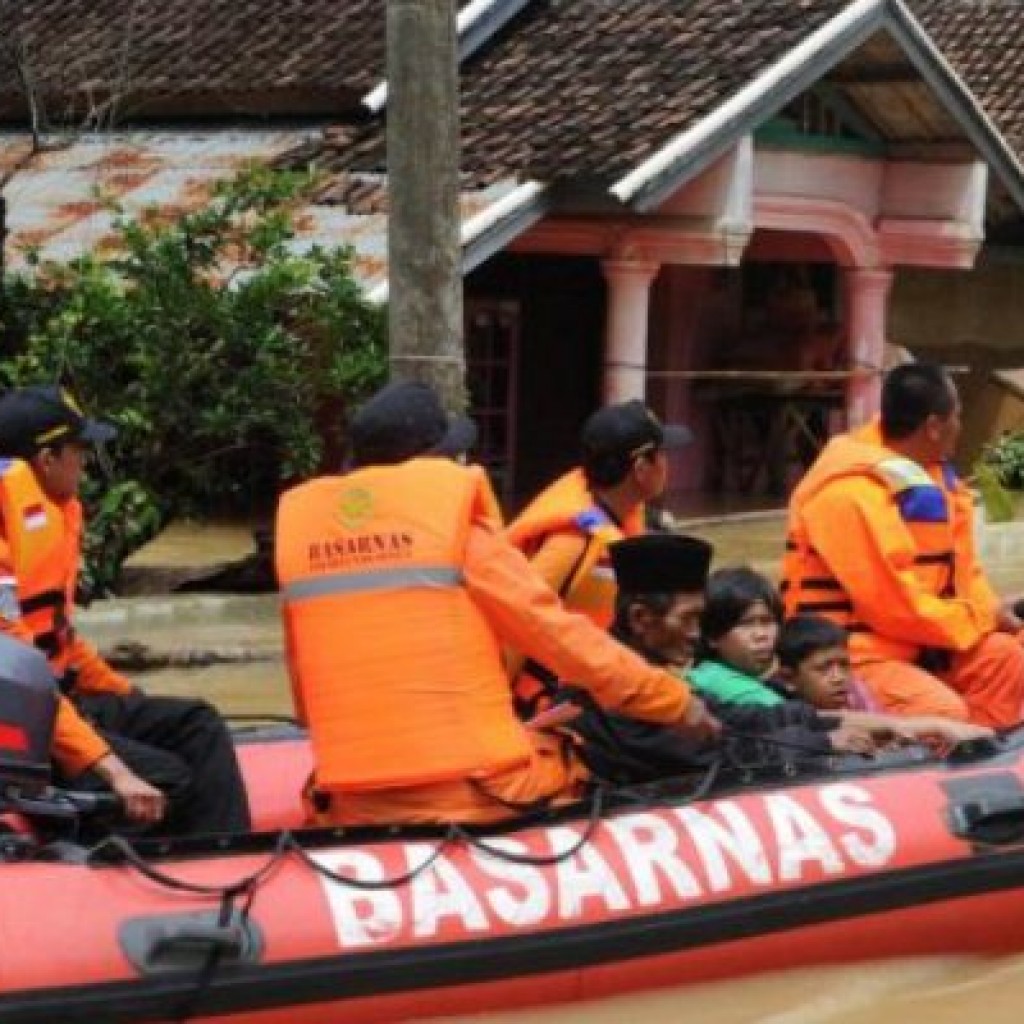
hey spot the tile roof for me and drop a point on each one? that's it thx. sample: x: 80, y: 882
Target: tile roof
x: 984, y: 42
x: 586, y: 90
x: 569, y: 90
x: 288, y: 54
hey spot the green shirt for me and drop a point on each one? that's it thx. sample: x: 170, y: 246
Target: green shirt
x: 731, y: 686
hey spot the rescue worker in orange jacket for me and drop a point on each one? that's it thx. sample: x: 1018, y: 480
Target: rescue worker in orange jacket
x: 171, y: 760
x: 881, y: 540
x: 567, y: 529
x: 398, y: 589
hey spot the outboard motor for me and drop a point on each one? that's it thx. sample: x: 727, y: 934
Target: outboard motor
x: 28, y: 711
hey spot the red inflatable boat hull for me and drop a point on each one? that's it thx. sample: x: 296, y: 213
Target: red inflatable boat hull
x: 911, y: 861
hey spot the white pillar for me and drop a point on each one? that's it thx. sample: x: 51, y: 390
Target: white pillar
x: 867, y: 295
x: 625, y: 345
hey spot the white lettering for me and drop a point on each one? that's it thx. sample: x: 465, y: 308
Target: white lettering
x: 362, y: 917
x: 526, y: 900
x: 650, y: 850
x: 846, y: 803
x: 799, y: 838
x: 735, y: 838
x: 440, y: 892
x: 583, y: 876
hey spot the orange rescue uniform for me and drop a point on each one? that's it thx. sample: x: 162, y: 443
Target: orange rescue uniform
x: 398, y: 589
x: 885, y: 547
x: 39, y: 552
x: 566, y: 533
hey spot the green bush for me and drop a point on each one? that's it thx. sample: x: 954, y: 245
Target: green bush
x: 225, y: 357
x: 1000, y: 471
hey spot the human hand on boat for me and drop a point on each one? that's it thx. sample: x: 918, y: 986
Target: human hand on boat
x: 853, y: 739
x: 141, y: 801
x: 698, y: 723
x: 940, y: 735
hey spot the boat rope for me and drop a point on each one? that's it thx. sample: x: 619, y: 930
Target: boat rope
x: 542, y: 860
x: 120, y: 850
x: 395, y: 882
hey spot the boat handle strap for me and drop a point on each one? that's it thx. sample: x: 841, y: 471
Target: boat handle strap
x: 229, y: 938
x: 989, y: 821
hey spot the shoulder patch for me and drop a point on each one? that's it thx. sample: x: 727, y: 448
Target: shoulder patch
x: 923, y: 505
x: 592, y: 518
x: 5, y: 465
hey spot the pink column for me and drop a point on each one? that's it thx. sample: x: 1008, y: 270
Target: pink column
x: 866, y: 296
x: 625, y: 345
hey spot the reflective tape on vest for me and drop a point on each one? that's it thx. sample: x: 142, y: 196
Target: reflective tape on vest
x: 440, y: 577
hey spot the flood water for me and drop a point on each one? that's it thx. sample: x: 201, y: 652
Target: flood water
x: 243, y: 635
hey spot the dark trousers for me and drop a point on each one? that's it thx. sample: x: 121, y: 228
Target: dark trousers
x: 182, y: 747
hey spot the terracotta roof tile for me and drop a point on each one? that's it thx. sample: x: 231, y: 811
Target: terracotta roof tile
x: 581, y: 90
x: 984, y: 42
x: 227, y: 53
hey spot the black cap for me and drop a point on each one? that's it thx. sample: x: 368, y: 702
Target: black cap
x: 661, y: 563
x: 627, y: 429
x: 403, y: 420
x: 34, y: 418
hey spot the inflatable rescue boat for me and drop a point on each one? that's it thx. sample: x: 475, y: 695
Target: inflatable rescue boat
x: 639, y: 888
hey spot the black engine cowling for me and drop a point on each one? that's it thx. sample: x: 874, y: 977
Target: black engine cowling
x: 28, y: 710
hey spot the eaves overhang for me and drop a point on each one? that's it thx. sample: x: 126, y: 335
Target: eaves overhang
x: 696, y: 148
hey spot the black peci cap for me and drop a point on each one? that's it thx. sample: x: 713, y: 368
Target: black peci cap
x: 661, y: 563
x: 403, y: 420
x: 35, y: 418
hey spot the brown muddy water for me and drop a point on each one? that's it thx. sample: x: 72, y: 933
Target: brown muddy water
x: 241, y: 636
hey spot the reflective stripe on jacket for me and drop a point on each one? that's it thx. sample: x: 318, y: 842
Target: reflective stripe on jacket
x: 398, y: 672
x: 909, y: 579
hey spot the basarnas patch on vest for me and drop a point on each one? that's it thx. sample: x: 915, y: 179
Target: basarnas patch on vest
x: 355, y: 508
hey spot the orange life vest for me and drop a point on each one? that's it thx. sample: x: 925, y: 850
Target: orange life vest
x: 43, y: 541
x: 398, y: 671
x: 928, y: 506
x: 568, y: 505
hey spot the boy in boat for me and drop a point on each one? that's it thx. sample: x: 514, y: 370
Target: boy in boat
x: 565, y: 531
x: 398, y: 589
x: 170, y: 760
x: 881, y: 541
x: 814, y: 663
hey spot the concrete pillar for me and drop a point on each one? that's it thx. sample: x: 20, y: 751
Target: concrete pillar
x: 866, y: 296
x: 425, y: 321
x: 625, y: 345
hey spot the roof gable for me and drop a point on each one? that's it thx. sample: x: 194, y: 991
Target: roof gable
x: 640, y: 97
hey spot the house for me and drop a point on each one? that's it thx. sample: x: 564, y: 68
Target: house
x: 728, y: 207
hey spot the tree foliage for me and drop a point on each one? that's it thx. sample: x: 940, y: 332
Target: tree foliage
x: 224, y: 353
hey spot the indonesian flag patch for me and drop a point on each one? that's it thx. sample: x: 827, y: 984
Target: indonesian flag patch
x: 34, y: 517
